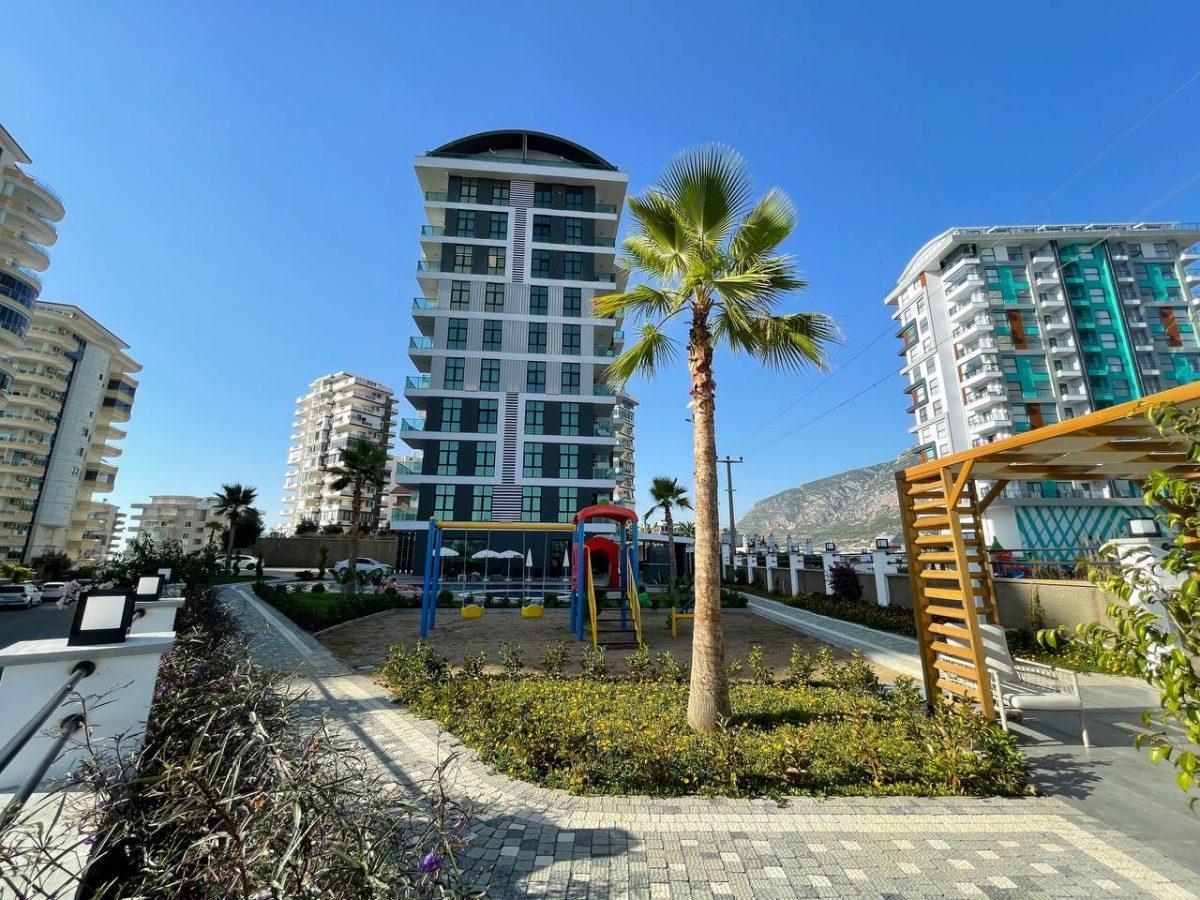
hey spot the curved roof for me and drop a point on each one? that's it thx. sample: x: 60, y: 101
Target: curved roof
x: 606, y: 511
x: 523, y: 141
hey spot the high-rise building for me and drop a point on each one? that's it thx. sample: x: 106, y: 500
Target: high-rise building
x: 175, y: 517
x: 515, y: 422
x: 28, y: 210
x: 1010, y: 328
x: 102, y: 533
x: 624, y: 471
x: 338, y: 410
x: 71, y: 385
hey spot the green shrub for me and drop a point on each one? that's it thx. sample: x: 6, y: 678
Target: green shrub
x: 639, y: 665
x: 593, y: 662
x: 896, y: 619
x: 801, y: 665
x: 555, y: 658
x: 734, y: 669
x: 317, y: 589
x: 317, y: 609
x: 409, y: 670
x: 473, y: 663
x: 854, y: 675
x: 732, y: 599
x: 760, y: 672
x: 512, y: 658
x: 670, y: 669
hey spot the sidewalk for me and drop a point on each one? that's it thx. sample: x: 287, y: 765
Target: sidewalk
x: 534, y: 841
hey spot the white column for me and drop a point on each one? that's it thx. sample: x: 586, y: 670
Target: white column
x: 828, y: 560
x: 795, y: 561
x: 157, y: 616
x: 883, y: 566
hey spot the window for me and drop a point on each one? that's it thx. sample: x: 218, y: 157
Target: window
x: 543, y: 196
x: 456, y: 334
x: 535, y: 417
x: 452, y: 414
x: 568, y: 461
x: 535, y: 378
x: 443, y: 502
x: 481, y: 503
x: 573, y: 198
x: 493, y: 334
x: 531, y: 504
x: 493, y: 298
x: 498, y: 227
x: 539, y: 300
x: 541, y: 263
x: 465, y: 223
x: 485, y: 458
x: 568, y: 418
x: 489, y: 375
x: 572, y: 302
x: 463, y: 258
x: 489, y: 415
x: 535, y: 453
x: 573, y: 231
x: 573, y: 266
x: 537, y: 337
x: 541, y: 228
x: 447, y: 459
x: 570, y: 378
x: 568, y: 504
x: 500, y: 192
x: 497, y: 260
x: 468, y: 191
x: 460, y: 295
x: 455, y: 367
x: 570, y: 340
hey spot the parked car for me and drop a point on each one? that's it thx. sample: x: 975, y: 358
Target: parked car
x: 365, y: 564
x: 243, y: 561
x: 24, y: 595
x: 53, y: 590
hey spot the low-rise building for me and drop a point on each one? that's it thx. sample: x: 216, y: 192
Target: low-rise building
x: 173, y: 517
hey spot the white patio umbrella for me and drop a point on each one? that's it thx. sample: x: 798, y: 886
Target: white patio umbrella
x: 510, y: 555
x: 447, y: 551
x: 487, y: 554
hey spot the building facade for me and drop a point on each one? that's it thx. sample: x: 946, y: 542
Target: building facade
x: 1006, y: 329
x: 514, y: 420
x: 103, y: 531
x: 29, y: 209
x: 338, y: 410
x: 173, y: 517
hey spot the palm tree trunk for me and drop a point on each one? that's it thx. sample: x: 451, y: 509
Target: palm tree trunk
x: 672, y: 572
x: 352, y: 570
x: 229, y: 543
x: 708, y: 693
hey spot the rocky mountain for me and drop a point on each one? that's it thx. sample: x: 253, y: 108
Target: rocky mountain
x: 851, y: 508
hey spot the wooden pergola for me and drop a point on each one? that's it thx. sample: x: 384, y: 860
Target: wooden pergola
x: 941, y: 510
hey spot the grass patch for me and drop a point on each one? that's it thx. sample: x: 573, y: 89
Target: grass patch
x: 314, y: 611
x: 237, y: 579
x: 842, y: 735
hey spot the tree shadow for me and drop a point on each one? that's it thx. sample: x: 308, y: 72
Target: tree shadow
x: 1066, y: 775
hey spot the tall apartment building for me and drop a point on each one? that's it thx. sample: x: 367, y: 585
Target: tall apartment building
x: 103, y: 533
x: 514, y: 421
x: 176, y: 517
x: 1010, y: 328
x: 338, y: 410
x: 624, y: 494
x: 71, y: 386
x: 29, y: 209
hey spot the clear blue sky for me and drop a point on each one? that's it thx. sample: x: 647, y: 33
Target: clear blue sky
x: 242, y: 208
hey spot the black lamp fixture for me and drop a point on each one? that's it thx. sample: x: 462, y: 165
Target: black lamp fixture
x: 882, y: 543
x: 165, y: 573
x: 150, y: 587
x: 101, y: 617
x: 830, y: 546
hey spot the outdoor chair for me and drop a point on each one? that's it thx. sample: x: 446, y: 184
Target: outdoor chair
x: 1031, y: 686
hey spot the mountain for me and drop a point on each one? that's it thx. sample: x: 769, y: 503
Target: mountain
x: 851, y: 508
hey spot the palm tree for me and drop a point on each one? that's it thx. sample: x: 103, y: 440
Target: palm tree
x: 687, y: 529
x: 668, y: 494
x: 362, y: 465
x: 711, y: 256
x: 213, y: 527
x: 232, y: 501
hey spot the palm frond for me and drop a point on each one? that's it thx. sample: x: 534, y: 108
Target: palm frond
x: 643, y: 301
x: 649, y: 352
x: 764, y: 228
x: 791, y: 341
x: 656, y: 221
x: 643, y: 255
x: 709, y: 186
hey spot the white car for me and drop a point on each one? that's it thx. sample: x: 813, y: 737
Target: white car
x: 243, y: 561
x: 365, y: 565
x: 24, y: 595
x: 53, y: 590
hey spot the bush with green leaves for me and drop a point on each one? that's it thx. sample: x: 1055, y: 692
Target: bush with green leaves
x: 801, y: 665
x: 512, y: 658
x: 473, y: 663
x: 670, y: 669
x: 555, y: 658
x: 639, y: 664
x: 593, y: 662
x: 145, y: 556
x: 316, y: 609
x: 760, y: 672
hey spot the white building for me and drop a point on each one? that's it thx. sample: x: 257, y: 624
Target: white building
x: 176, y: 517
x: 338, y: 410
x: 103, y: 533
x: 1009, y: 328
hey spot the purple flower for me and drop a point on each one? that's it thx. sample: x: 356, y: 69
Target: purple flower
x: 431, y: 865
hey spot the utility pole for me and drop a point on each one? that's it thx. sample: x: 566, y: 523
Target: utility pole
x: 729, y: 461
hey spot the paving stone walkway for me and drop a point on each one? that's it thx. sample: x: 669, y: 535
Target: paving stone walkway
x: 531, y: 841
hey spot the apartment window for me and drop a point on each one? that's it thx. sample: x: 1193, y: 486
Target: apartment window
x: 497, y: 260
x: 460, y: 295
x: 574, y: 198
x: 568, y: 418
x: 570, y: 340
x: 573, y: 266
x: 463, y: 258
x: 485, y: 458
x: 443, y: 502
x: 541, y: 228
x: 489, y: 415
x: 498, y: 227
x: 456, y: 334
x: 535, y: 417
x: 531, y: 504
x: 572, y: 302
x: 541, y: 263
x: 465, y: 223
x: 570, y: 378
x: 489, y: 375
x: 493, y: 334
x: 568, y: 461
x: 573, y: 231
x: 452, y: 414
x: 493, y: 298
x: 568, y: 504
x: 535, y: 377
x: 455, y: 369
x: 447, y: 460
x: 500, y: 193
x: 537, y: 337
x: 539, y: 300
x: 543, y: 196
x: 535, y: 453
x: 468, y: 192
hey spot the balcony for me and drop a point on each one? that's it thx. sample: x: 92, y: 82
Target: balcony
x: 1057, y: 323
x: 985, y: 397
x: 1042, y: 258
x: 409, y: 466
x: 443, y: 197
x: 603, y: 428
x: 989, y: 423
x: 980, y: 375
x: 604, y: 473
x: 1054, y: 300
x: 433, y: 230
x: 983, y: 345
x: 412, y: 425
x: 975, y: 305
x: 416, y: 383
x: 975, y: 328
x: 420, y: 343
x: 425, y: 265
x: 1046, y: 280
x: 1062, y: 348
x: 959, y: 287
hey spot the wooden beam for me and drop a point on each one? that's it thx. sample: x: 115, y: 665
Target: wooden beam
x: 960, y: 482
x: 992, y: 494
x: 917, y: 587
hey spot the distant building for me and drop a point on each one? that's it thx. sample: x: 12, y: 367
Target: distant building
x: 174, y: 517
x: 104, y: 529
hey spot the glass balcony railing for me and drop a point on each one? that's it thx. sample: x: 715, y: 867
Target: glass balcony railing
x: 425, y: 265
x: 410, y: 467
x: 604, y: 472
x: 425, y: 303
x: 604, y: 242
x: 420, y: 343
x: 437, y: 196
x: 605, y: 351
x: 416, y: 382
x: 411, y: 425
x: 604, y: 428
x: 606, y: 278
x: 435, y: 230
x: 404, y: 514
x: 603, y: 390
x: 606, y: 208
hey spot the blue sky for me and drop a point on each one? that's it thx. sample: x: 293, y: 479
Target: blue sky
x: 242, y: 208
